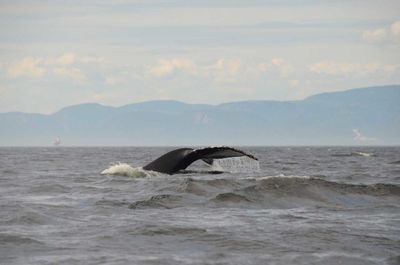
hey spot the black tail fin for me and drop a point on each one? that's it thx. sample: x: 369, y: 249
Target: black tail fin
x: 180, y: 159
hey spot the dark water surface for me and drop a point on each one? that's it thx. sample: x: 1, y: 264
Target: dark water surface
x: 325, y: 205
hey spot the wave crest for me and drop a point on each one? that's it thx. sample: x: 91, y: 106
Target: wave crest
x: 270, y: 192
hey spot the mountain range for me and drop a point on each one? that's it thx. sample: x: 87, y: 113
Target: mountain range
x: 362, y: 116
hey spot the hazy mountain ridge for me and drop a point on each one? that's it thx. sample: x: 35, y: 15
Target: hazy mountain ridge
x: 328, y: 118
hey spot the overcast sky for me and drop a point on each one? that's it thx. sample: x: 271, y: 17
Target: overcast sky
x: 54, y: 54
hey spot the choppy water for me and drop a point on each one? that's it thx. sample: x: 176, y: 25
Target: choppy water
x: 336, y: 205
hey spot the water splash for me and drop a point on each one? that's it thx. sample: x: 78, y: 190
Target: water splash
x: 123, y: 169
x: 242, y: 164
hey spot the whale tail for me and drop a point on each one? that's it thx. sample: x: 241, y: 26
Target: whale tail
x: 180, y: 159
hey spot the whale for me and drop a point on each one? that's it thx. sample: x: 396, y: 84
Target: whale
x: 179, y: 159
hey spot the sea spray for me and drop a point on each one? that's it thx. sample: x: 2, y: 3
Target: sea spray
x: 236, y: 164
x: 123, y: 169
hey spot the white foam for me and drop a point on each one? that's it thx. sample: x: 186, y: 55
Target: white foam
x: 241, y: 164
x: 123, y: 169
x: 362, y: 154
x: 282, y: 176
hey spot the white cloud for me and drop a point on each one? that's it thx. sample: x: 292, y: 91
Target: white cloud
x: 70, y: 72
x: 338, y: 68
x: 389, y: 34
x: 111, y: 81
x: 167, y: 67
x: 282, y: 65
x: 92, y: 59
x: 262, y: 67
x: 115, y: 80
x: 294, y: 83
x: 275, y: 67
x: 395, y: 28
x: 333, y: 68
x: 225, y: 70
x: 67, y: 59
x: 66, y: 65
x: 229, y: 67
x: 3, y: 89
x: 62, y: 60
x: 375, y: 36
x: 29, y: 66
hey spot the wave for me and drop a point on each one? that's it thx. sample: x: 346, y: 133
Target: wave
x: 123, y: 169
x: 270, y: 192
x: 6, y: 239
x: 166, y: 201
x: 362, y: 154
x: 50, y: 188
x: 356, y: 153
x: 16, y: 213
x: 169, y: 230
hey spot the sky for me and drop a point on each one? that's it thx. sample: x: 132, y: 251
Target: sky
x: 59, y: 53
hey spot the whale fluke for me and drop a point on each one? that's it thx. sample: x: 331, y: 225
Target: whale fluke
x: 180, y: 159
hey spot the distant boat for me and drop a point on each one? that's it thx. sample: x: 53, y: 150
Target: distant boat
x: 57, y: 141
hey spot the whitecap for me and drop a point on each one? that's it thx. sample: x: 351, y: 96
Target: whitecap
x: 362, y: 154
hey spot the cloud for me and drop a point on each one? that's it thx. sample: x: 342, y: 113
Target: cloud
x: 375, y: 36
x: 66, y: 65
x: 67, y: 59
x: 29, y: 67
x: 262, y: 67
x: 225, y: 70
x: 282, y: 66
x: 71, y: 73
x: 333, y: 68
x: 388, y: 35
x: 167, y: 67
x: 92, y: 59
x: 338, y: 68
x: 228, y: 67
x: 395, y: 28
x: 294, y: 83
x: 112, y: 81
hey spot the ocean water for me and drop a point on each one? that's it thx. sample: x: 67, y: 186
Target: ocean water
x: 303, y: 205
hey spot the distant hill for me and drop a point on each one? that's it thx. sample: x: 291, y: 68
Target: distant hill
x: 359, y: 116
